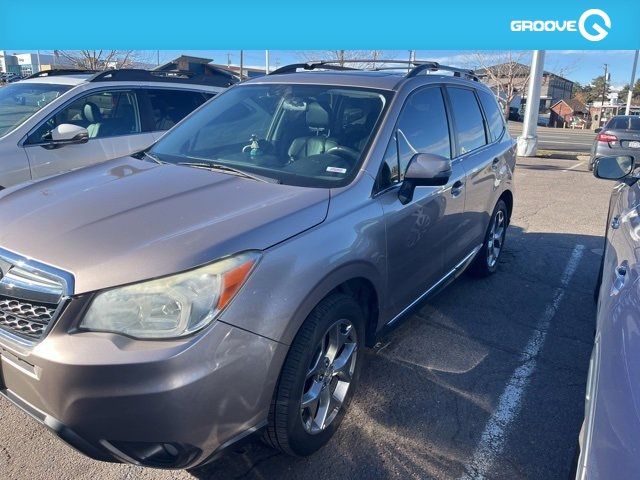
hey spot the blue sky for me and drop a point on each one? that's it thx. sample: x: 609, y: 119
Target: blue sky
x: 577, y: 65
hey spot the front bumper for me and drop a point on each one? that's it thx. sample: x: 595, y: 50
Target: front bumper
x: 169, y: 404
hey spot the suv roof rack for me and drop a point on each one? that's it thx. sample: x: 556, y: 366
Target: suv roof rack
x: 173, y: 76
x: 60, y: 71
x: 415, y: 67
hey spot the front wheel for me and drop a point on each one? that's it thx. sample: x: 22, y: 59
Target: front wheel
x: 486, y: 261
x: 318, y: 377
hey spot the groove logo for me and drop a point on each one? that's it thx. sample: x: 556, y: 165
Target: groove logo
x: 594, y: 25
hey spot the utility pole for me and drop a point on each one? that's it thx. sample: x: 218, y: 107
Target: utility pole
x: 341, y: 58
x: 158, y: 57
x: 604, y: 92
x: 627, y: 109
x: 528, y: 141
x: 266, y: 62
x: 39, y: 64
x: 241, y: 63
x: 228, y: 59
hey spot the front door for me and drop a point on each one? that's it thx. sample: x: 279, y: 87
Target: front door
x: 418, y: 233
x: 113, y: 120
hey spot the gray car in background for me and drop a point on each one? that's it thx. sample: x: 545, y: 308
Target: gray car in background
x: 159, y: 308
x: 619, y: 136
x: 610, y: 436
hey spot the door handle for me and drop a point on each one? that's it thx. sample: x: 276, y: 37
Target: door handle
x: 619, y: 279
x: 456, y: 188
x: 494, y: 164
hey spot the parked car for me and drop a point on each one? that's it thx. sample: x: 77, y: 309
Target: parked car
x: 60, y: 120
x: 610, y: 435
x: 619, y: 136
x: 161, y: 307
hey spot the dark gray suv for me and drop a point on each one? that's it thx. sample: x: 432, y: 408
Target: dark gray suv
x: 158, y: 308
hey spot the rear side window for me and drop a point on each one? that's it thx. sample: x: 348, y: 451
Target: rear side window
x: 467, y: 119
x: 423, y: 127
x: 495, y: 118
x: 168, y: 107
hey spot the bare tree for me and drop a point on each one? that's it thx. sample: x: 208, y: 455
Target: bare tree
x: 344, y: 57
x: 506, y: 73
x: 98, y: 59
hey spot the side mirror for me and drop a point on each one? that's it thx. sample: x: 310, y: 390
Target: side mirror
x: 68, y: 134
x: 597, y: 130
x: 613, y: 168
x: 424, y: 169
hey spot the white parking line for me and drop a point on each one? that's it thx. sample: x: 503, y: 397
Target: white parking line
x: 494, y: 436
x: 574, y: 167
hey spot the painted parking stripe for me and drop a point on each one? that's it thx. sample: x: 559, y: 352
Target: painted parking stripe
x: 494, y: 436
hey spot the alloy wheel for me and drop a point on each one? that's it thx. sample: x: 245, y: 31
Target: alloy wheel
x: 496, y: 238
x: 329, y: 376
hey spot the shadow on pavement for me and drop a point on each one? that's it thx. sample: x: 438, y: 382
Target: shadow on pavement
x: 427, y: 392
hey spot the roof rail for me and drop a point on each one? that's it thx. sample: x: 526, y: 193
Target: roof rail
x: 292, y: 68
x: 171, y: 76
x: 415, y: 67
x: 60, y: 71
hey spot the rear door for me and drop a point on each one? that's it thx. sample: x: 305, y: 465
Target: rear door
x: 113, y: 119
x: 167, y: 106
x: 419, y: 232
x: 479, y: 159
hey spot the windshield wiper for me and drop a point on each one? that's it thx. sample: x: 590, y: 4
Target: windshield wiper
x: 152, y: 157
x: 225, y: 168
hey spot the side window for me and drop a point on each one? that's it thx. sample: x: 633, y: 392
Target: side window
x: 467, y: 119
x: 103, y: 114
x: 423, y: 127
x: 495, y: 117
x: 168, y: 107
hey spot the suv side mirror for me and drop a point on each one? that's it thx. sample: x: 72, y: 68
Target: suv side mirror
x: 613, y: 168
x: 597, y: 130
x: 68, y: 134
x: 424, y: 169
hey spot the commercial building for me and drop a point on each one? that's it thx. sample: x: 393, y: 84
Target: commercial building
x: 25, y: 63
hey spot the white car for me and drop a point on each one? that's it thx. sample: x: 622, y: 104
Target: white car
x: 60, y: 120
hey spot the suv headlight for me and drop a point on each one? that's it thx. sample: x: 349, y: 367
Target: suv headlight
x: 173, y: 306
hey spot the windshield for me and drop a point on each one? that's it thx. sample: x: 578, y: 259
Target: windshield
x: 306, y: 135
x: 19, y: 101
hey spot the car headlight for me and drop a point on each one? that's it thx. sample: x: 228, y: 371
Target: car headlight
x: 173, y: 306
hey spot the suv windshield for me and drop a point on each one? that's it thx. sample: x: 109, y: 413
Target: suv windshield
x: 20, y: 101
x: 306, y: 135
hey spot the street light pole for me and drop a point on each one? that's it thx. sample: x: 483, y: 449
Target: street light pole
x: 241, y: 63
x: 627, y: 109
x: 266, y: 62
x: 528, y: 141
x: 604, y: 92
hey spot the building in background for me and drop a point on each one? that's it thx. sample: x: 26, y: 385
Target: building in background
x: 200, y: 66
x: 569, y: 113
x: 24, y: 64
x: 554, y: 86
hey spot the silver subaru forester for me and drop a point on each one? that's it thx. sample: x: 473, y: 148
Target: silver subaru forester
x: 161, y: 307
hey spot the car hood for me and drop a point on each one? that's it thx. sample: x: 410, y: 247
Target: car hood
x: 129, y: 220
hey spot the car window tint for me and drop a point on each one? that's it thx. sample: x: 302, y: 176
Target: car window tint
x: 423, y: 127
x: 495, y: 117
x: 103, y: 114
x: 467, y: 118
x: 624, y: 123
x: 168, y: 107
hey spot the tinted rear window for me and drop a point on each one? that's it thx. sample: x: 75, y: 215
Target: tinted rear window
x: 170, y: 106
x: 624, y: 123
x: 493, y: 113
x: 467, y: 119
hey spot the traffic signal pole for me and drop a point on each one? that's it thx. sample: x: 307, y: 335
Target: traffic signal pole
x: 528, y: 141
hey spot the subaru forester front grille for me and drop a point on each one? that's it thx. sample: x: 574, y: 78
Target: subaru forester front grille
x: 31, y: 297
x: 25, y: 318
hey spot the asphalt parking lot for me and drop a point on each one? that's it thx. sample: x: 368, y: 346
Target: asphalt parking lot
x: 485, y: 381
x: 559, y: 139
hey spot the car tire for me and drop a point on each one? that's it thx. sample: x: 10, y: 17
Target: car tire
x: 292, y: 428
x: 486, y: 261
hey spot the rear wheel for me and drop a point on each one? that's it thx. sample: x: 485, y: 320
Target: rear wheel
x: 486, y: 261
x: 318, y: 377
